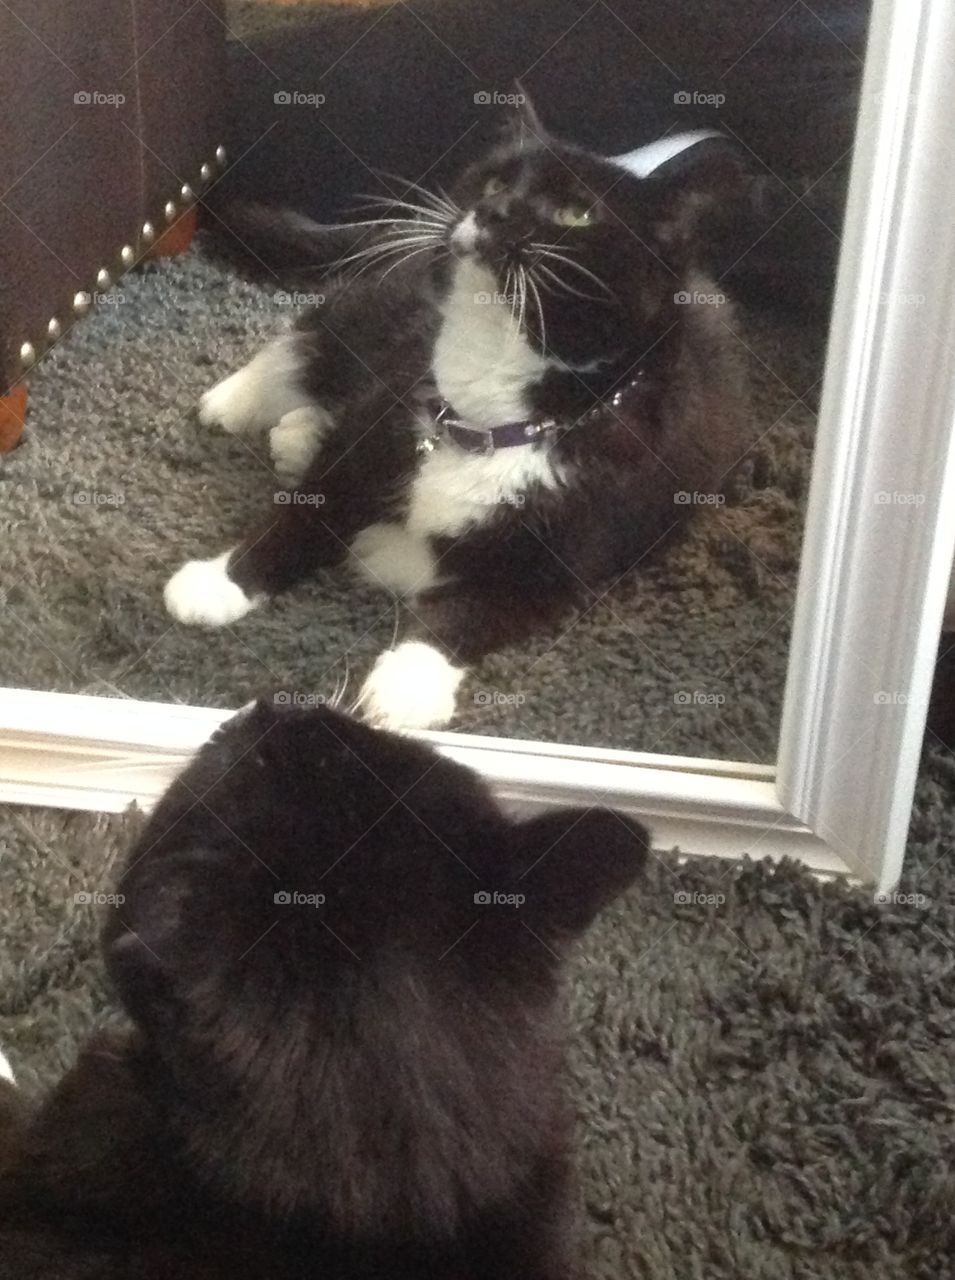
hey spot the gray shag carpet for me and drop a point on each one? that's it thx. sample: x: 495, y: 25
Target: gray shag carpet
x: 763, y: 1065
x: 116, y: 484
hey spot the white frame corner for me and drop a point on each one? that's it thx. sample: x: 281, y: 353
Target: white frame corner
x: 873, y: 576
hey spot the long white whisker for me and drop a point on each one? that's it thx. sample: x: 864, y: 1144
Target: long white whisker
x: 540, y: 308
x: 577, y: 266
x: 567, y: 288
x: 415, y: 186
x: 407, y: 258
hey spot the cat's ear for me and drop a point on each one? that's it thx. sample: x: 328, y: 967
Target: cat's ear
x: 162, y: 933
x: 523, y: 122
x: 710, y: 178
x: 574, y: 862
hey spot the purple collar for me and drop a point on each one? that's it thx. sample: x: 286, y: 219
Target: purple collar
x: 487, y: 439
x: 446, y: 423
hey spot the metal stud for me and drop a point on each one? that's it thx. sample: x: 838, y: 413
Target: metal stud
x: 128, y: 255
x: 221, y: 155
x: 53, y: 328
x: 170, y: 210
x: 148, y: 232
x: 103, y: 278
x: 81, y: 302
x: 187, y: 192
x: 205, y: 173
x: 27, y: 353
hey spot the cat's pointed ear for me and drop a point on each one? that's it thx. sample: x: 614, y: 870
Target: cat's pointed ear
x: 574, y: 862
x: 523, y: 121
x: 161, y: 932
x: 710, y: 178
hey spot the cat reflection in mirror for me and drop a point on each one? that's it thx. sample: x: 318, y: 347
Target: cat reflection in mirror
x: 345, y: 1057
x: 508, y: 409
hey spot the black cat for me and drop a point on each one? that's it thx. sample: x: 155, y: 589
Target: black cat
x: 341, y: 961
x: 525, y: 392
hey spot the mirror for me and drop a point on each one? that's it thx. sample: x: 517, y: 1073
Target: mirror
x: 664, y: 197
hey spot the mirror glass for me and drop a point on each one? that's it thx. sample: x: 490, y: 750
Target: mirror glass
x: 561, y: 274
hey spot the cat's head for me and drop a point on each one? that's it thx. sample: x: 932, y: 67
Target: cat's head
x: 342, y: 959
x: 591, y: 259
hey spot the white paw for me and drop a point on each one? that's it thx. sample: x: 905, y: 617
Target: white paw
x: 203, y: 594
x: 232, y: 405
x: 6, y: 1071
x: 411, y: 687
x: 258, y: 394
x: 294, y: 442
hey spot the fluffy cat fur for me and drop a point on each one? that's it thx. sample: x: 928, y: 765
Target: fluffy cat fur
x: 552, y: 284
x: 344, y: 1055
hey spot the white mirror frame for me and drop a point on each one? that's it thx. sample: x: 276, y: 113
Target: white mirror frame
x: 873, y: 578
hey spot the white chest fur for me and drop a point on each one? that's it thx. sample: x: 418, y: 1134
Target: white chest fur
x: 482, y: 364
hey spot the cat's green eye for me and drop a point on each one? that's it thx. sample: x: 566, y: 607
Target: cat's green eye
x: 493, y: 187
x: 573, y: 215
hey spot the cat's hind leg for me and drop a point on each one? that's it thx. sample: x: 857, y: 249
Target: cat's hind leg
x: 261, y: 393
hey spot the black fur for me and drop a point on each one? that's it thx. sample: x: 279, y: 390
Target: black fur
x: 360, y: 1089
x: 400, y: 92
x: 620, y: 311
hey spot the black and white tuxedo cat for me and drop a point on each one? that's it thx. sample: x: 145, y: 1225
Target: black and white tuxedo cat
x: 511, y: 407
x: 345, y: 1056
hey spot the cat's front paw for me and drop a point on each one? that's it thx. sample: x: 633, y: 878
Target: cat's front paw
x: 411, y: 687
x: 295, y: 440
x: 202, y: 594
x: 233, y: 405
